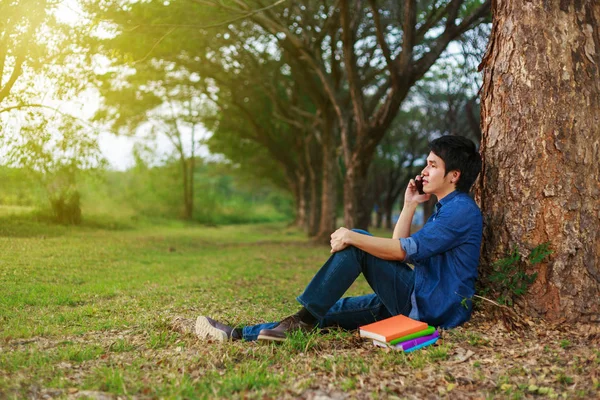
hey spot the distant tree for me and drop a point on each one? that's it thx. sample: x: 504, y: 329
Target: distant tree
x: 355, y: 69
x: 377, y: 58
x: 56, y: 153
x: 251, y: 89
x: 41, y: 61
x: 169, y: 107
x: 441, y: 103
x: 398, y: 158
x: 260, y: 135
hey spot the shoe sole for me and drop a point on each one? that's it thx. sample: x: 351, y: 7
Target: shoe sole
x: 204, y: 330
x: 270, y: 338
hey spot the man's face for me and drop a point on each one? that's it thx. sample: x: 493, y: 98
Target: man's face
x: 434, y: 181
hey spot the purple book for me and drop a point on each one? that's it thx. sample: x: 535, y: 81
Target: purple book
x: 415, y: 342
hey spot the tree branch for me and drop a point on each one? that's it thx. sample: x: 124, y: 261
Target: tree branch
x: 2, y: 59
x: 435, y: 15
x: 37, y: 105
x: 155, y: 45
x: 348, y: 40
x: 381, y: 39
x: 16, y: 72
x: 409, y: 23
x: 450, y: 33
x: 210, y: 26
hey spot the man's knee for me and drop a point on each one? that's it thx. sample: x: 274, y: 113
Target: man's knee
x: 361, y: 231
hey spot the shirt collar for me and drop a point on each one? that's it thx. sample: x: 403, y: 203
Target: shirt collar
x: 446, y: 199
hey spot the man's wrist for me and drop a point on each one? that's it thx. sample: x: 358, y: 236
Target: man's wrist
x: 348, y: 238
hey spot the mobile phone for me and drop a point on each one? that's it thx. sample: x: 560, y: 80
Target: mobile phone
x: 419, y: 185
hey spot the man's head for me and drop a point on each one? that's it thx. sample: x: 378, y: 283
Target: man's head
x: 459, y: 155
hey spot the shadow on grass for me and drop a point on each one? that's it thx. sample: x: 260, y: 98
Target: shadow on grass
x: 36, y: 224
x: 28, y: 225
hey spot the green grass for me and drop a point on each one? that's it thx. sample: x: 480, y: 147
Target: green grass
x: 89, y: 308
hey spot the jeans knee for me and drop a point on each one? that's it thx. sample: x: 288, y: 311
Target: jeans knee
x: 362, y: 232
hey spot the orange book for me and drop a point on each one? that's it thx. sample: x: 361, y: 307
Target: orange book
x: 392, y: 328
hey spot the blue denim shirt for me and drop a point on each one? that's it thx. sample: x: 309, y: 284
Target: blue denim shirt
x: 445, y: 253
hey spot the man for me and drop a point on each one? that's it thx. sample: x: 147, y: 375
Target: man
x: 444, y: 253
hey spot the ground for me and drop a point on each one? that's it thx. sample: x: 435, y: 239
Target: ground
x: 103, y: 311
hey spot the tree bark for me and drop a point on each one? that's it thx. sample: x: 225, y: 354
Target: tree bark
x: 356, y: 211
x: 540, y: 113
x: 388, y: 210
x: 300, y: 196
x: 328, y: 182
x: 314, y: 208
x: 185, y: 175
x: 379, y: 215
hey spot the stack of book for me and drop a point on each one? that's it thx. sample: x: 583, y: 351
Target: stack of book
x: 400, y: 333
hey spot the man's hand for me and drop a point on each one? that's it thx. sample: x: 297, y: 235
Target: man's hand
x: 339, y: 239
x: 412, y: 194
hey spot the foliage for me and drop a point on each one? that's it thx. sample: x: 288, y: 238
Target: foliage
x: 509, y: 277
x: 42, y: 58
x: 285, y: 75
x: 117, y: 198
x: 19, y: 188
x: 146, y: 191
x: 42, y: 71
x: 56, y: 152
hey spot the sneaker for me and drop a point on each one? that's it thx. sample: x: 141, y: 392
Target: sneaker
x: 286, y: 326
x: 208, y: 328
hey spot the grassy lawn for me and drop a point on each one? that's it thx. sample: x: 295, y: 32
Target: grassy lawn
x: 87, y: 311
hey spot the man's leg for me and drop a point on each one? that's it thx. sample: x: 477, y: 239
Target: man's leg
x: 352, y: 312
x: 392, y: 282
x: 347, y: 313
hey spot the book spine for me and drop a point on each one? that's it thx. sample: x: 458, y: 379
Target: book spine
x: 415, y: 342
x: 429, y: 331
x: 420, y: 346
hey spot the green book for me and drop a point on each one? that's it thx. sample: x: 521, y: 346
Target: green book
x: 425, y: 332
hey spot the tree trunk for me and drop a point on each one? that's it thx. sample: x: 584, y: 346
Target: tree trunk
x: 313, y: 197
x: 387, y: 211
x: 356, y: 211
x: 328, y: 184
x: 187, y: 211
x: 192, y: 170
x: 191, y: 187
x: 314, y: 209
x: 296, y: 193
x: 66, y: 208
x: 541, y: 145
x: 379, y: 217
x: 301, y: 201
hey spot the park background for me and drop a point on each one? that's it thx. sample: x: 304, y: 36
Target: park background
x: 161, y: 160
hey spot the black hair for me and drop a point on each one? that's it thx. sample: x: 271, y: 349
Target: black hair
x: 459, y: 154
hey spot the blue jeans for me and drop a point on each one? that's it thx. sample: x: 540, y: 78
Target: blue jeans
x: 392, y: 282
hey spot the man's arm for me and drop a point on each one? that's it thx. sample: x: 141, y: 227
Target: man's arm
x: 412, y: 199
x: 386, y: 249
x: 402, y: 228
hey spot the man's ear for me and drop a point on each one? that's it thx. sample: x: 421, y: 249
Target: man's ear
x: 455, y: 176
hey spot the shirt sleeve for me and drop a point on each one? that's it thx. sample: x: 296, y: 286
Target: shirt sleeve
x: 447, y: 230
